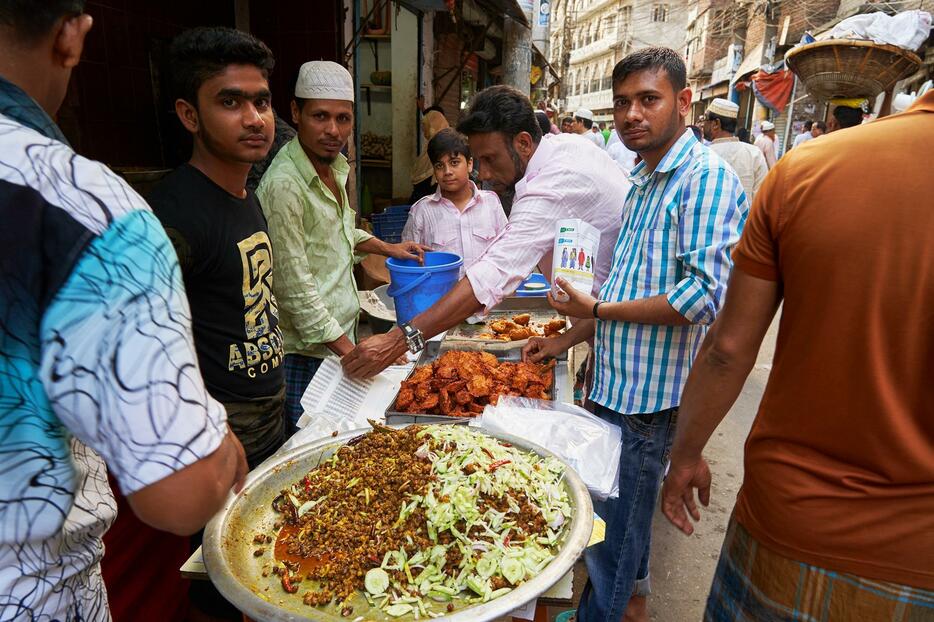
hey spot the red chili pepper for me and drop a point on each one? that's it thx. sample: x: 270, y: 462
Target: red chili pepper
x: 498, y: 464
x: 287, y: 583
x: 307, y: 483
x: 487, y: 452
x: 507, y: 539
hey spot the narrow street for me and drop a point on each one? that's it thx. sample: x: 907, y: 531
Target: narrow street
x: 682, y: 567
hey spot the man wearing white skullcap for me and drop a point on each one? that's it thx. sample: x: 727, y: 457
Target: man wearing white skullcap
x: 313, y: 229
x: 766, y: 142
x: 720, y: 128
x: 583, y: 126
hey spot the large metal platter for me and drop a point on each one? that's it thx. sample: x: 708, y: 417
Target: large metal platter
x: 228, y: 548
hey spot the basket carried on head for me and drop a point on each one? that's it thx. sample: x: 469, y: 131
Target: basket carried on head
x: 845, y: 68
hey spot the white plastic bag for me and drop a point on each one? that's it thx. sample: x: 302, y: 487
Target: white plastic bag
x: 590, y: 445
x: 907, y: 29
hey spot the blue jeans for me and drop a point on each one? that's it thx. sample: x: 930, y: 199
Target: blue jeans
x: 619, y: 566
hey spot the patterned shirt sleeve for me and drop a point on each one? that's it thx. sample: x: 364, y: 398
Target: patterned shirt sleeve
x: 713, y: 211
x: 118, y: 359
x: 294, y: 285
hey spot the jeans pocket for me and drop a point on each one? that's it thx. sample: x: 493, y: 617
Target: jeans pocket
x: 640, y: 425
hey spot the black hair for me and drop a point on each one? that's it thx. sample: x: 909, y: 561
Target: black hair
x: 653, y: 58
x: 567, y: 120
x: 807, y: 125
x: 448, y: 142
x: 848, y: 116
x: 199, y: 54
x: 501, y: 109
x: 820, y: 125
x: 587, y: 122
x: 727, y: 124
x: 543, y: 121
x: 29, y: 20
x: 436, y: 108
x: 743, y: 134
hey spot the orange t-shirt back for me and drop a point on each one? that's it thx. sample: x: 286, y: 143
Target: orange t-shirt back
x: 840, y: 459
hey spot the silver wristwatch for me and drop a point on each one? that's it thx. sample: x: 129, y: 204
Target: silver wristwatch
x: 414, y: 339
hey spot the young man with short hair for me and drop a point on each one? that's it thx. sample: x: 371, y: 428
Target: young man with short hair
x: 567, y: 125
x: 458, y: 218
x: 314, y: 230
x: 96, y: 359
x: 667, y: 282
x: 221, y: 80
x: 805, y: 134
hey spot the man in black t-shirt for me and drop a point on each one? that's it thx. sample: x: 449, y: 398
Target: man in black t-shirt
x: 220, y: 235
x: 219, y: 231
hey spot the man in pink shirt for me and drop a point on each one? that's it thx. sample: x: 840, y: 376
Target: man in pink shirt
x: 563, y: 177
x: 458, y: 218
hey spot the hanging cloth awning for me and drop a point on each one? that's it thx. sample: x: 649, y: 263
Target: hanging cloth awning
x: 773, y: 88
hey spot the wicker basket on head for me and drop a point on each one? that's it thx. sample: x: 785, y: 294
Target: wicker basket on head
x: 844, y: 68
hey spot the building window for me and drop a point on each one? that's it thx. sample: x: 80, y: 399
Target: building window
x: 660, y: 13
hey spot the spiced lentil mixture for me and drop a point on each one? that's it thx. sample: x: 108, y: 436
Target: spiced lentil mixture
x: 418, y: 519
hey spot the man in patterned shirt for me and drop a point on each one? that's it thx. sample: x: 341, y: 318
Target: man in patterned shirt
x: 96, y: 355
x: 670, y: 267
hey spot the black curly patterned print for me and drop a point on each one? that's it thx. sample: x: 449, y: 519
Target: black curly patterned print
x: 96, y: 365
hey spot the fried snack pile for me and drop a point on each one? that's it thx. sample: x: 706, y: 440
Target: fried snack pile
x: 521, y: 327
x: 460, y: 384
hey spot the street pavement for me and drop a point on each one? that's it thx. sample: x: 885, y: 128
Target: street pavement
x: 682, y: 567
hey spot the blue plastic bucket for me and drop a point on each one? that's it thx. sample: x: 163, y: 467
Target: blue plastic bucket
x: 414, y: 287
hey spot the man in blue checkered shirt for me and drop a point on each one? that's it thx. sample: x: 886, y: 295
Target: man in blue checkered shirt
x: 683, y: 215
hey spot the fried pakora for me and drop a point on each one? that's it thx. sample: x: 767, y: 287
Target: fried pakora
x: 521, y: 327
x: 461, y: 384
x: 522, y: 319
x: 553, y: 327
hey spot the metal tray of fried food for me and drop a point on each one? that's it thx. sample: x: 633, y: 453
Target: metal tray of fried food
x: 394, y: 416
x: 483, y: 337
x: 238, y: 575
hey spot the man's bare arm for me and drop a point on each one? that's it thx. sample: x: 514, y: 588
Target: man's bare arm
x: 725, y: 359
x: 373, y: 355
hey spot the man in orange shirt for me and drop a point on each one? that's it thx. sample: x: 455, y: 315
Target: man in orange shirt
x: 835, y: 518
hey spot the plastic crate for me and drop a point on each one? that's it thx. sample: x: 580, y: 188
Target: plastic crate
x: 392, y: 233
x: 397, y: 209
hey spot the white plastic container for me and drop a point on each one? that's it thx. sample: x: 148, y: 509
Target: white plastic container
x: 575, y: 256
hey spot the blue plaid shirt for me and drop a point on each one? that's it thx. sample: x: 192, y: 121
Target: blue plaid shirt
x: 680, y: 222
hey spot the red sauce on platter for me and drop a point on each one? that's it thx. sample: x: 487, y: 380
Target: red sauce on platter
x: 281, y: 551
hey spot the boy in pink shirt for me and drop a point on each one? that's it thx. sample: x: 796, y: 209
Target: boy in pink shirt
x: 458, y: 218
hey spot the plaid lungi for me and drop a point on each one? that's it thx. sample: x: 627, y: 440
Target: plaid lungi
x: 299, y: 370
x: 754, y: 584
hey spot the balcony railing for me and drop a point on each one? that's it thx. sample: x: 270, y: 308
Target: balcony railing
x: 602, y: 45
x: 597, y: 100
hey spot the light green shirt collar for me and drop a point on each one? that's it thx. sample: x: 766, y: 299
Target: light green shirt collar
x: 340, y: 167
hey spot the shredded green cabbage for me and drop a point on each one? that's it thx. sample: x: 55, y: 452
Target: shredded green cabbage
x: 467, y: 466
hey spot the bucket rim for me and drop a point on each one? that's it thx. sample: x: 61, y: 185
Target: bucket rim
x: 392, y: 265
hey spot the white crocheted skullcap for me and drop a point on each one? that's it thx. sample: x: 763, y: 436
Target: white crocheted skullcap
x: 324, y: 79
